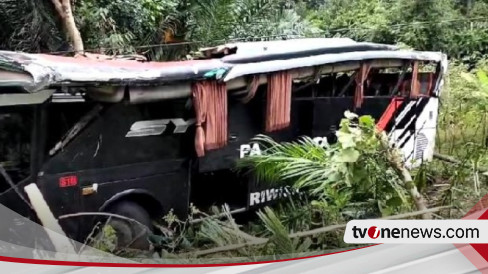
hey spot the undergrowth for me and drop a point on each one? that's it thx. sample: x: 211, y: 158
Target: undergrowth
x: 462, y: 134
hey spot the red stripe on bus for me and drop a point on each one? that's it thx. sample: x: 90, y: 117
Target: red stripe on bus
x: 389, y: 112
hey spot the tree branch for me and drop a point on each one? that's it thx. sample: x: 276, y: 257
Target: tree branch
x: 396, y: 161
x: 261, y: 241
x: 58, y: 6
x: 63, y: 8
x: 455, y: 161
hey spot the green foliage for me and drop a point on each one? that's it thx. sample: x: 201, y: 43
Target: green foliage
x: 424, y: 25
x: 463, y: 111
x: 223, y: 231
x: 362, y: 20
x: 124, y: 26
x: 462, y: 134
x: 429, y: 25
x: 223, y: 20
x: 118, y: 26
x: 29, y: 25
x: 106, y: 240
x: 280, y: 238
x: 354, y: 171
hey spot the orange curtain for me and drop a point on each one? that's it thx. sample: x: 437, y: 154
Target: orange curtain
x: 210, y: 103
x: 199, y: 103
x: 278, y: 105
x: 360, y: 78
x: 415, y: 88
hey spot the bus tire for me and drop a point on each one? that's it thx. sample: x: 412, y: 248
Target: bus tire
x: 131, y: 234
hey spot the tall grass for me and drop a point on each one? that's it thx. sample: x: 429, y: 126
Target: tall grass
x: 463, y: 135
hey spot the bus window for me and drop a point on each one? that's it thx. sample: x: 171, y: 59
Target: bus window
x: 15, y: 132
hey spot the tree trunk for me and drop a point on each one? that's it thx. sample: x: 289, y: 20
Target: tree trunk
x: 396, y: 161
x: 416, y: 196
x: 63, y: 8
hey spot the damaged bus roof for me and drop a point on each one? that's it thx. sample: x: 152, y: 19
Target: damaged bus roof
x: 35, y: 72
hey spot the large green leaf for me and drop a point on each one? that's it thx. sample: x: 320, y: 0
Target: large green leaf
x: 366, y: 121
x: 348, y: 155
x: 345, y: 139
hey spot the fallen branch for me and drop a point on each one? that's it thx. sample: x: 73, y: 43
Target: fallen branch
x: 396, y: 161
x: 455, y: 161
x: 261, y: 241
x: 243, y: 234
x: 394, y: 217
x: 416, y: 196
x: 105, y: 214
x: 218, y: 216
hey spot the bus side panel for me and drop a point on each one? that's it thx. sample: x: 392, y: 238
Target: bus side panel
x: 413, y: 129
x: 426, y: 130
x: 103, y: 158
x: 170, y: 188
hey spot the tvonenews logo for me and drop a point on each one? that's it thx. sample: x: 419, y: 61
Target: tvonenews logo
x: 417, y: 231
x: 373, y: 232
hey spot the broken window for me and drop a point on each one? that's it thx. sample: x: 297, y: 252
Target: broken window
x: 15, y: 142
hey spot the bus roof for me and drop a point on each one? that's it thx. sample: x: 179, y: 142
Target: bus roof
x: 35, y: 72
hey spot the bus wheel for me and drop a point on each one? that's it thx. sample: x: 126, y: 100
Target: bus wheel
x: 131, y: 234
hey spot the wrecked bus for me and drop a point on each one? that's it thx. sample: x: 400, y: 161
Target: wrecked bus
x: 138, y: 138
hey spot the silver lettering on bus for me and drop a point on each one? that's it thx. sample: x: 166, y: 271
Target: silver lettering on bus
x: 267, y: 195
x: 158, y: 127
